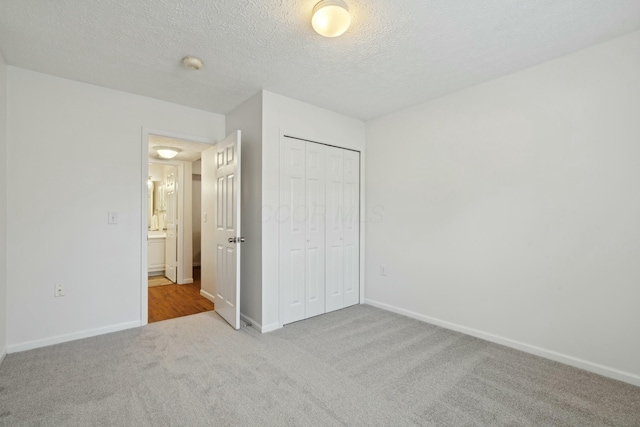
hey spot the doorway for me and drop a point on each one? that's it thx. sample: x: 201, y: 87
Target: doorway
x: 220, y: 207
x: 172, y: 226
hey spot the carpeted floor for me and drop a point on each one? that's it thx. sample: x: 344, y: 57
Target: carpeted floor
x: 358, y: 366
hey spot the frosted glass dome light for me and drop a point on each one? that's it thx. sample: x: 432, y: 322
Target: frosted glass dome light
x: 167, y: 152
x: 331, y: 18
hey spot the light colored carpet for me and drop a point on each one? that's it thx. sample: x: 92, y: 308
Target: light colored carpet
x: 159, y: 281
x: 359, y: 366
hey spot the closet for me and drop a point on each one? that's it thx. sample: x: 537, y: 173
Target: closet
x: 319, y: 229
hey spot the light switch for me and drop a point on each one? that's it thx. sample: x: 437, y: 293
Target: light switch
x: 113, y: 217
x: 383, y: 270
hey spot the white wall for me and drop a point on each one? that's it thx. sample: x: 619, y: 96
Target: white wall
x: 248, y: 119
x: 284, y: 115
x: 187, y: 224
x: 511, y: 210
x: 196, y: 217
x: 74, y: 153
x: 3, y: 208
x: 208, y: 225
x: 156, y: 171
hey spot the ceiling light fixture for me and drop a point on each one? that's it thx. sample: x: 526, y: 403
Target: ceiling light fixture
x: 167, y: 152
x: 192, y: 62
x: 331, y: 18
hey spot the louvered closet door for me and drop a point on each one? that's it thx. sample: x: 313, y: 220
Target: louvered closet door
x: 315, y: 249
x: 292, y: 219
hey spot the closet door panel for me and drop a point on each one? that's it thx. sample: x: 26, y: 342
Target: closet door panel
x: 351, y: 227
x: 315, y: 230
x: 292, y: 219
x: 334, y: 284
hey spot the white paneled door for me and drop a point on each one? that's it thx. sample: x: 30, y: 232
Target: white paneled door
x: 343, y: 229
x: 292, y: 219
x: 351, y: 227
x: 319, y: 229
x: 302, y: 229
x: 315, y: 230
x: 171, y: 223
x: 335, y: 239
x: 226, y: 237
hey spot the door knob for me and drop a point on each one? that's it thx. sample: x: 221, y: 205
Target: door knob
x: 241, y: 240
x: 232, y: 239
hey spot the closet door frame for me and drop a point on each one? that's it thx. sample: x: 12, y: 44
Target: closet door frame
x: 361, y: 260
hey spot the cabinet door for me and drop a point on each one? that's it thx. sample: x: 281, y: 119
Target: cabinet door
x: 334, y: 284
x: 315, y: 230
x: 291, y: 216
x: 351, y: 227
x: 156, y: 254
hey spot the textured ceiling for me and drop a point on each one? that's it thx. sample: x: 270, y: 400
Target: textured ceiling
x: 397, y: 52
x: 190, y: 151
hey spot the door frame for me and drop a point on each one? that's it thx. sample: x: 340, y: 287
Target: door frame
x: 144, y: 176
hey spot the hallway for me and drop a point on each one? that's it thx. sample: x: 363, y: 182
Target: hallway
x: 171, y: 301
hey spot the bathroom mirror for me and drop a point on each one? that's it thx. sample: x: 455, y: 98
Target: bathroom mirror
x: 155, y: 205
x: 161, y: 185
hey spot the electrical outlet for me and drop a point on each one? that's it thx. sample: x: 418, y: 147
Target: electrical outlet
x: 383, y: 270
x: 58, y: 291
x: 204, y: 217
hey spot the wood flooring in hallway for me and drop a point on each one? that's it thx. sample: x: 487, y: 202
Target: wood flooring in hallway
x: 171, y: 301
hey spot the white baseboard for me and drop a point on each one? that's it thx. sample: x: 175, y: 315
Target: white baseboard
x: 606, y: 371
x: 208, y: 296
x: 29, y: 345
x: 185, y: 282
x: 271, y: 327
x: 255, y: 325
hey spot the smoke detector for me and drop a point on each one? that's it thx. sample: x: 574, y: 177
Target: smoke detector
x: 192, y: 62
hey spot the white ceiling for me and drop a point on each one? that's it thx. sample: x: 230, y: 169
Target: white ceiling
x: 397, y: 53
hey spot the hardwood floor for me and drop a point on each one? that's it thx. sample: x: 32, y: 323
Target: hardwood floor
x: 171, y: 301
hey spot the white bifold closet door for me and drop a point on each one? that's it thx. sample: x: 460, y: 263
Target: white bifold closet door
x: 319, y: 265
x: 315, y: 229
x: 342, y: 229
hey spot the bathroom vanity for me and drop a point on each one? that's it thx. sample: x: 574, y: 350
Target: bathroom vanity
x: 156, y: 252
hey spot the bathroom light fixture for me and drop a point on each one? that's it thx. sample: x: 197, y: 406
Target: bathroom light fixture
x: 167, y: 152
x: 192, y: 62
x: 331, y: 18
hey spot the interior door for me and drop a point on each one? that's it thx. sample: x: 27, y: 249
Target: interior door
x: 171, y: 219
x: 291, y: 217
x: 334, y: 230
x: 351, y: 227
x: 223, y: 162
x: 315, y: 227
